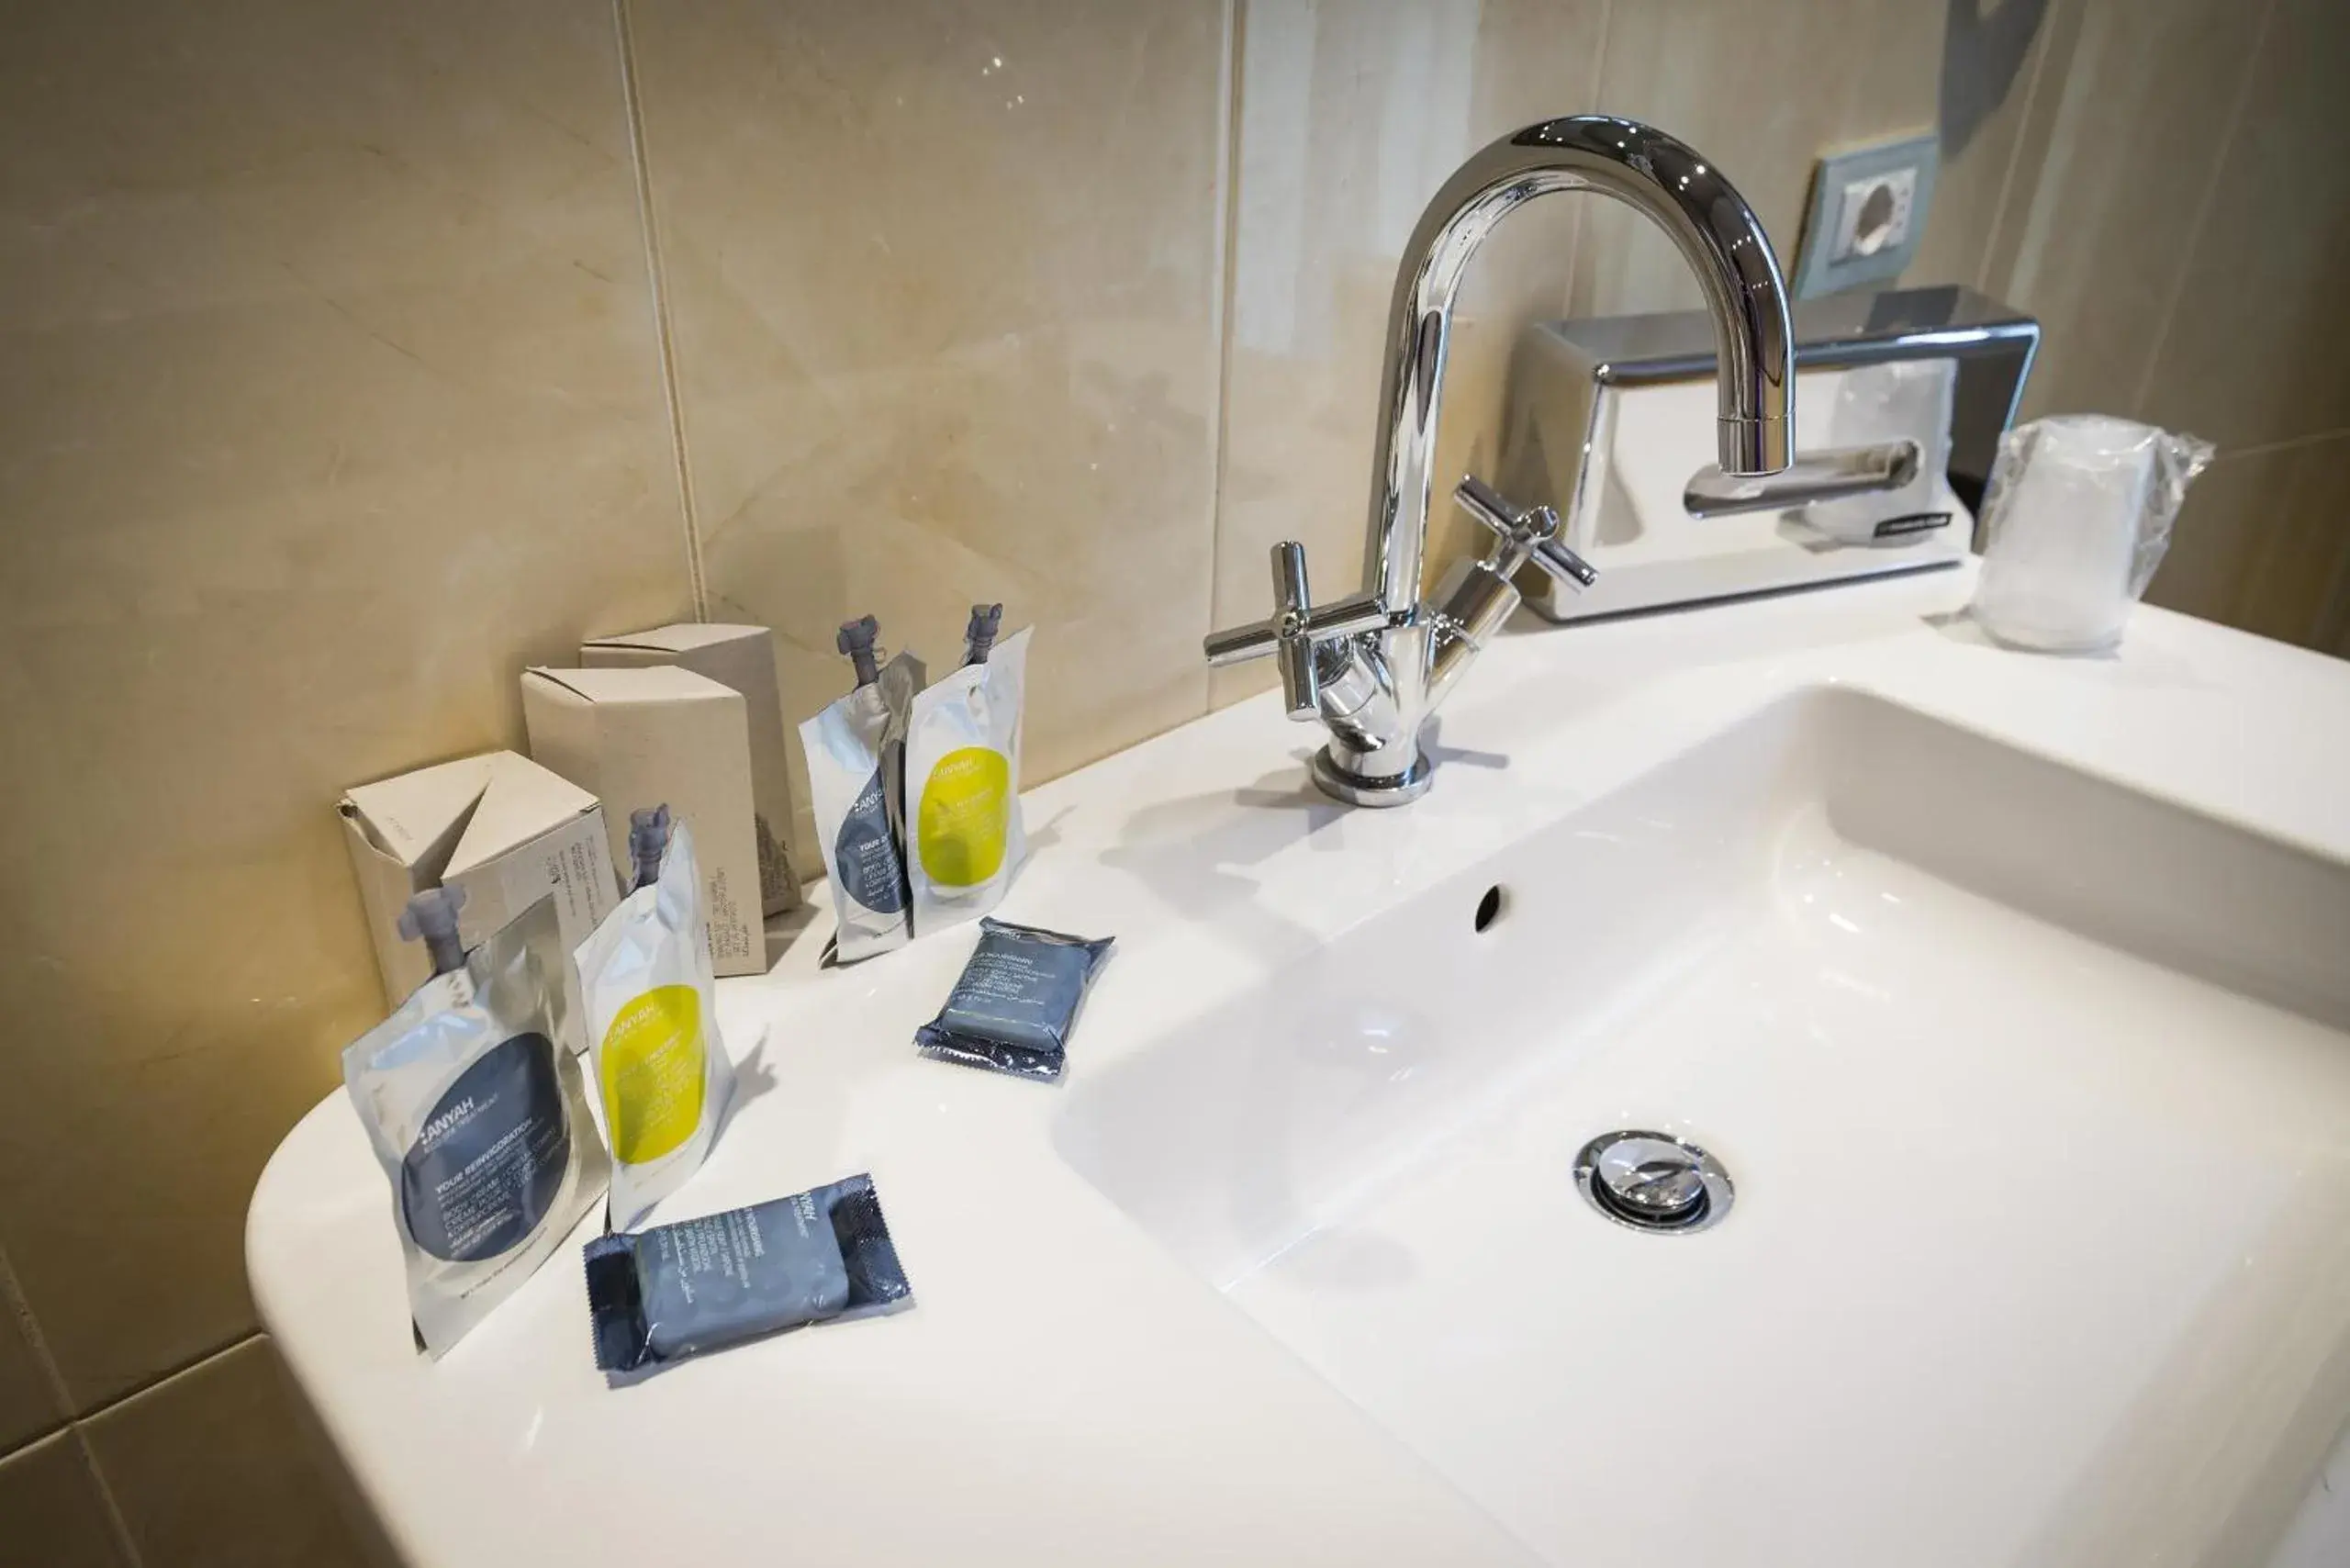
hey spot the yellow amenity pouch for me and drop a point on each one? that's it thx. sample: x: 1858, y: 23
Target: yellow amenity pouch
x: 662, y: 1074
x: 966, y: 838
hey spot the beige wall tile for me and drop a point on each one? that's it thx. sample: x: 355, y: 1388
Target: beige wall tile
x: 2097, y: 228
x: 943, y: 280
x: 210, y: 1471
x: 1996, y: 114
x: 29, y: 1403
x: 51, y: 1510
x: 1350, y: 117
x: 2258, y: 350
x: 1765, y: 88
x: 2208, y: 569
x: 2263, y: 542
x: 331, y: 397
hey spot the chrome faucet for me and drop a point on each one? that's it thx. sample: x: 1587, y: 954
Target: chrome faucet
x: 1374, y: 666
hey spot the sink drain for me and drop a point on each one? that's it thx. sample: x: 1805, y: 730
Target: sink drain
x: 1653, y: 1181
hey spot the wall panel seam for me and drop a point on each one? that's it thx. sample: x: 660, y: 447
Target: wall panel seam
x: 2262, y: 449
x: 2191, y: 235
x: 2051, y: 25
x: 1227, y: 244
x: 1592, y: 86
x: 656, y: 279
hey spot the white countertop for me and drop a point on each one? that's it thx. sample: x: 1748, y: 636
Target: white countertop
x: 1063, y: 1390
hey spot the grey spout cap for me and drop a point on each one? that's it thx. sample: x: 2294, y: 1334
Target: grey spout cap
x: 858, y: 639
x: 979, y: 637
x: 648, y: 840
x: 430, y: 918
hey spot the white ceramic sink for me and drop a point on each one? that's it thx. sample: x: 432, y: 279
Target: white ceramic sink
x: 2035, y: 1089
x: 2033, y: 1085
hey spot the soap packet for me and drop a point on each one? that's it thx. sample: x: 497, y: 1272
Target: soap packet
x: 479, y: 1120
x: 1016, y: 1002
x: 662, y: 1071
x: 856, y: 752
x: 677, y: 1290
x: 963, y: 781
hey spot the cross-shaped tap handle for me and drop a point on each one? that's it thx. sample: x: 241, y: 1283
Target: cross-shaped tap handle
x: 1296, y: 624
x: 1527, y: 533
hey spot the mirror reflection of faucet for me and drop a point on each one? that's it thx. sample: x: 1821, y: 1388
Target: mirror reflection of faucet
x: 1816, y: 476
x: 1903, y: 397
x: 1373, y: 666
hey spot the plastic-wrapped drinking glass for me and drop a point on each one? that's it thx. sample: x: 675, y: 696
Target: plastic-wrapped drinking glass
x: 2076, y: 519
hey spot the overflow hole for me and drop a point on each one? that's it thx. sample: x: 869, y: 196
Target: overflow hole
x: 1489, y: 908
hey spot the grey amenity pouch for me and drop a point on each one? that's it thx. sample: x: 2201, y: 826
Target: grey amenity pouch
x: 676, y: 1290
x: 480, y: 1121
x: 1016, y: 1002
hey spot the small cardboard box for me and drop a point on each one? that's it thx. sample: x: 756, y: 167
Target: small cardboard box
x: 500, y: 827
x: 742, y: 658
x: 662, y: 734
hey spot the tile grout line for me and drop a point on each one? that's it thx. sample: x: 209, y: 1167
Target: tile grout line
x: 116, y: 1521
x: 2050, y: 21
x: 664, y: 335
x: 1596, y: 87
x: 29, y: 1327
x: 2266, y: 448
x: 177, y: 1369
x: 70, y: 1426
x: 2333, y: 614
x: 2323, y: 630
x: 1227, y: 261
x: 2208, y: 198
x: 147, y: 1385
x: 2333, y: 611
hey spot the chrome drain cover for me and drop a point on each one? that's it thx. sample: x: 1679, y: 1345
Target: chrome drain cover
x: 1653, y: 1181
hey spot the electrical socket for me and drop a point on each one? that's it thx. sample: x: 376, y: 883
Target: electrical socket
x: 1867, y: 213
x: 1874, y: 212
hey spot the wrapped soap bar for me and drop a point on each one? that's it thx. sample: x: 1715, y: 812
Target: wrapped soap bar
x: 1016, y: 1002
x: 676, y: 1290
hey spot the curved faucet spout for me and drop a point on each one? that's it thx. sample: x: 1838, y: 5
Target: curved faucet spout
x: 1372, y: 668
x: 1675, y: 185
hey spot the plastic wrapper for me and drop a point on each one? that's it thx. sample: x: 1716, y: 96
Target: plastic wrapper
x: 681, y: 1290
x: 2075, y: 519
x: 1016, y: 1003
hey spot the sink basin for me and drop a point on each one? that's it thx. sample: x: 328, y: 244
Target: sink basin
x: 2035, y: 1091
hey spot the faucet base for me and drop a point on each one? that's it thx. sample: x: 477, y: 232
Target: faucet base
x: 1363, y: 790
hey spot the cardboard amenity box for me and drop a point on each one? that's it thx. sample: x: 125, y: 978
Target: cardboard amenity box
x: 662, y: 735
x: 498, y: 826
x: 742, y: 658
